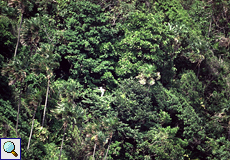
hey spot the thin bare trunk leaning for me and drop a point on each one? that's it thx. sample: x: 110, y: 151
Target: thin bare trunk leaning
x: 108, y: 147
x: 94, y: 151
x: 47, y: 93
x: 19, y: 104
x: 65, y: 126
x: 198, y: 71
x: 19, y: 30
x: 229, y: 131
x: 31, y: 131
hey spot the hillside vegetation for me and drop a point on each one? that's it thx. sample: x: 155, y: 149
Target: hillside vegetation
x: 164, y: 65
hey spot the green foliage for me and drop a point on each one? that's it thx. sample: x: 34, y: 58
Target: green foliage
x: 7, y: 11
x: 173, y: 11
x: 187, y: 119
x: 133, y: 104
x: 136, y: 116
x: 218, y: 148
x: 146, y: 40
x: 193, y: 90
x: 85, y: 30
x: 7, y: 37
x: 53, y: 151
x: 176, y: 107
x: 8, y: 117
x: 163, y: 143
x: 115, y: 150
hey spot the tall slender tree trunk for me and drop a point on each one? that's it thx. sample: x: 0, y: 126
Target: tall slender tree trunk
x: 47, y: 93
x: 229, y: 131
x: 198, y: 71
x: 94, y: 151
x: 209, y: 30
x: 19, y: 105
x: 31, y: 131
x: 108, y: 147
x: 19, y: 30
x: 65, y: 126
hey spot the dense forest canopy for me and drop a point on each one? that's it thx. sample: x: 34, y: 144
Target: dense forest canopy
x: 113, y: 79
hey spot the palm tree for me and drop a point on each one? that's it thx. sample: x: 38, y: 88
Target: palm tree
x: 66, y: 109
x: 100, y: 138
x: 31, y: 131
x: 65, y: 126
x: 63, y: 111
x: 43, y: 62
x: 111, y: 124
x: 111, y: 136
x: 47, y: 93
x: 46, y: 52
x: 36, y: 99
x: 94, y: 150
x: 21, y: 7
x: 19, y: 105
x: 16, y: 72
x: 30, y: 35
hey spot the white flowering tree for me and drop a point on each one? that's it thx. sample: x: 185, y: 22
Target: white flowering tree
x: 148, y: 75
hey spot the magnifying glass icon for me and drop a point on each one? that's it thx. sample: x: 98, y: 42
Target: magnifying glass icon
x: 9, y: 147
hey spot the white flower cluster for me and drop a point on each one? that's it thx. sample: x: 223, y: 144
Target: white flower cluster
x: 158, y: 76
x: 143, y: 79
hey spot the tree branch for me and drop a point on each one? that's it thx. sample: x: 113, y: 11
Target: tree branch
x: 19, y: 30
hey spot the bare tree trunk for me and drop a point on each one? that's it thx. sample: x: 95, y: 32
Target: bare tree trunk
x: 6, y: 129
x: 108, y: 147
x: 229, y: 131
x: 198, y: 71
x: 209, y: 30
x: 47, y: 93
x: 65, y: 126
x: 19, y: 30
x: 94, y: 151
x: 31, y: 131
x: 148, y: 91
x: 19, y: 105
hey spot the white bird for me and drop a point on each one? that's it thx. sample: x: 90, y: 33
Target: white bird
x: 102, y: 91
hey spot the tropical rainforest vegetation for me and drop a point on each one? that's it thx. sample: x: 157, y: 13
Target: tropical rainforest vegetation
x: 164, y: 65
